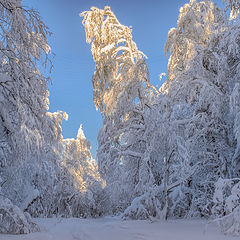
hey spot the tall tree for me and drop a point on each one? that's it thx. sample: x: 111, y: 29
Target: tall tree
x: 23, y: 95
x: 198, y: 103
x: 121, y: 86
x: 23, y: 105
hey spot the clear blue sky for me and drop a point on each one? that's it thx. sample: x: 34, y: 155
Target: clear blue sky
x: 71, y: 88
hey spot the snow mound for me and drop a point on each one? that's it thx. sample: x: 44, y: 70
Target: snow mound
x: 13, y: 220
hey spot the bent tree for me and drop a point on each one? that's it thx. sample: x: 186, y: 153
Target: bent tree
x: 121, y: 91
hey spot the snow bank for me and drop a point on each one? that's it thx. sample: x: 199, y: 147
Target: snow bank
x: 13, y: 220
x: 116, y: 229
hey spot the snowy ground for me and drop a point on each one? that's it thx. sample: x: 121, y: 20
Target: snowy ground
x: 114, y: 229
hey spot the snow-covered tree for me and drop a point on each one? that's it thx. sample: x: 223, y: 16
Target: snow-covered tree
x: 226, y: 196
x: 197, y: 23
x: 226, y: 207
x: 195, y: 116
x: 234, y: 6
x: 46, y: 177
x: 198, y: 97
x: 81, y: 185
x: 23, y: 100
x: 121, y: 85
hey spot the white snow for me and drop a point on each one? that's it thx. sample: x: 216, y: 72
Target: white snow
x: 109, y: 228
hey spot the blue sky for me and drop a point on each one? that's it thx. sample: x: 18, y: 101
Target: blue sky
x: 71, y: 87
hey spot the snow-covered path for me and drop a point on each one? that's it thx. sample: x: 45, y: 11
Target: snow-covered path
x: 114, y: 229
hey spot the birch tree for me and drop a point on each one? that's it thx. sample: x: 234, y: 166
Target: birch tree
x: 197, y: 96
x: 121, y: 86
x: 23, y: 91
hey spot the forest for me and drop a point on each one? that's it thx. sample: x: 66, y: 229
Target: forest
x: 163, y: 153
